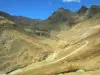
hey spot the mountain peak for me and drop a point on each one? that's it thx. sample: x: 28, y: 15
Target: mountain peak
x: 84, y: 7
x: 61, y: 16
x: 63, y: 10
x: 82, y: 10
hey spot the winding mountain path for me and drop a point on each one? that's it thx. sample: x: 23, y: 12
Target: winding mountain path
x: 86, y: 43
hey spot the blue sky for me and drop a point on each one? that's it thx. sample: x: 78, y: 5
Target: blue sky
x: 41, y: 8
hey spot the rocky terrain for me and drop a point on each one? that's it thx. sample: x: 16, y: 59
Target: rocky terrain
x: 66, y: 43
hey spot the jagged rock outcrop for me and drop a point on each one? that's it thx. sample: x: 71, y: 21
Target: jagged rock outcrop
x: 82, y: 10
x: 92, y: 11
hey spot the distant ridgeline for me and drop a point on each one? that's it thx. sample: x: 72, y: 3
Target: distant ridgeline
x: 60, y: 20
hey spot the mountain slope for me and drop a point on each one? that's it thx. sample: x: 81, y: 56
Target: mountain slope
x: 60, y: 18
x: 24, y: 20
x: 19, y: 48
x: 79, y: 49
x: 21, y: 21
x: 63, y: 52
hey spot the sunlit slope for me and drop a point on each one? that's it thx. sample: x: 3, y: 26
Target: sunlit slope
x: 18, y: 48
x: 82, y: 59
x: 80, y: 31
x: 5, y: 21
x: 79, y: 47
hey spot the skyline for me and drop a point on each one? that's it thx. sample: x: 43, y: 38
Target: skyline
x: 41, y: 9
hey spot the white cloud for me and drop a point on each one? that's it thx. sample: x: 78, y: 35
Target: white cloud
x: 71, y: 0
